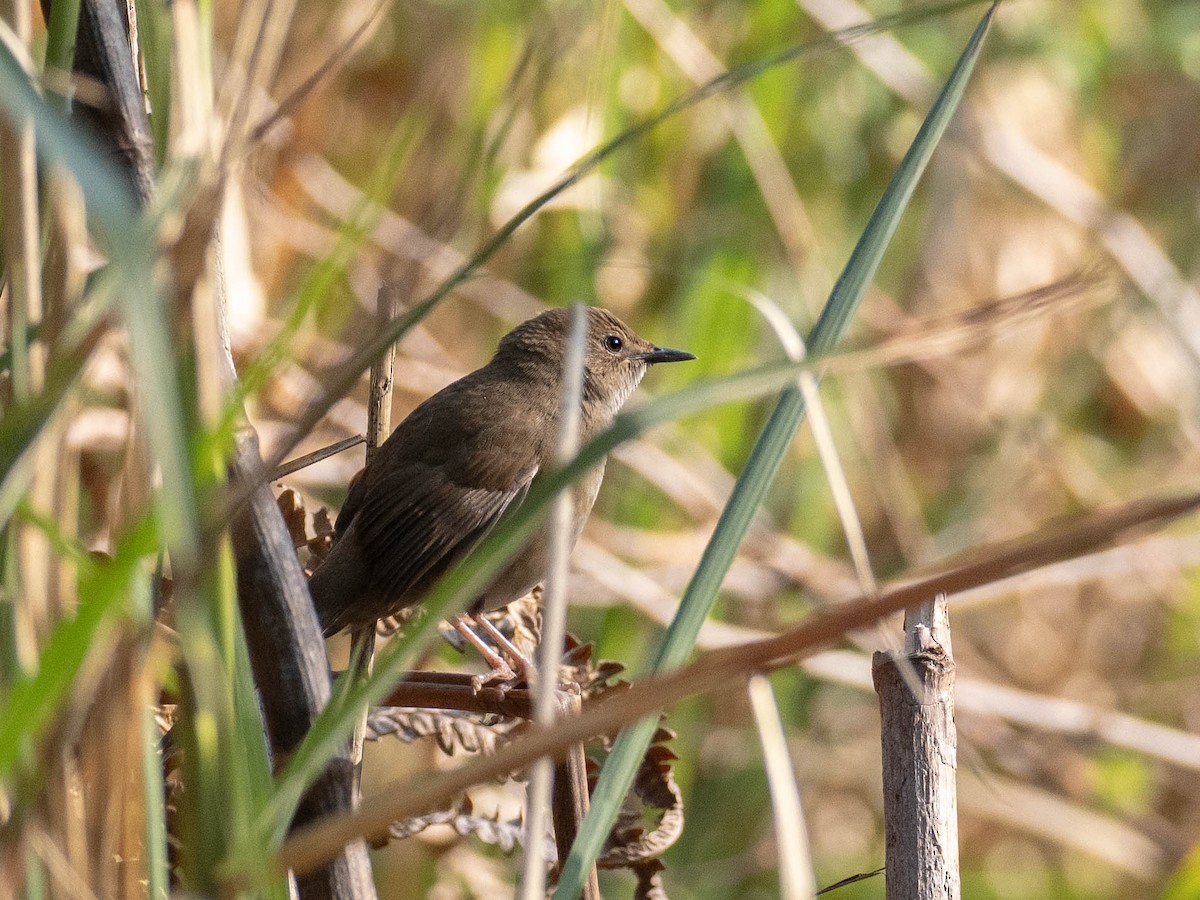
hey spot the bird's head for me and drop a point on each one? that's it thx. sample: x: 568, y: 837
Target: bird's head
x: 615, y: 357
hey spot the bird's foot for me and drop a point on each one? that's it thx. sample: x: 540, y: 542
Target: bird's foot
x: 503, y: 675
x: 522, y: 667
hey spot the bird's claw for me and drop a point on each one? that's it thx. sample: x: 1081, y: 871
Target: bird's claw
x: 502, y: 677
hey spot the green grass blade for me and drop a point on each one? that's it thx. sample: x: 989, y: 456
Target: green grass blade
x: 33, y: 700
x: 154, y: 33
x: 221, y: 726
x: 245, y: 765
x: 60, y: 42
x: 129, y: 242
x: 618, y: 773
x: 220, y: 730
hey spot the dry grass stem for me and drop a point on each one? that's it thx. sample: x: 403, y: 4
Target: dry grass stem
x: 1035, y: 811
x: 554, y: 616
x: 796, y: 879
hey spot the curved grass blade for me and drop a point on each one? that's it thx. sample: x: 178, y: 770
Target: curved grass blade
x: 619, y: 770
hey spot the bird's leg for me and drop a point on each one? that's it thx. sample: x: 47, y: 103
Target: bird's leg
x: 500, y: 670
x: 524, y: 666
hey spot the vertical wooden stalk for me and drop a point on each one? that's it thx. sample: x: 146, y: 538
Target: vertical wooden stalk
x: 379, y: 410
x: 379, y: 425
x: 290, y: 667
x: 571, y: 797
x: 63, y: 285
x: 18, y: 192
x: 920, y: 801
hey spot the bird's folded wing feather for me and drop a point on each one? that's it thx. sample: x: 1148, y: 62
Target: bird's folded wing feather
x: 415, y: 523
x: 442, y: 481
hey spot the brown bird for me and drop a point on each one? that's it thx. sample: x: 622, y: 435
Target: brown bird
x: 463, y: 458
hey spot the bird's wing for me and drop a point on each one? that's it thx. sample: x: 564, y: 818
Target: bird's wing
x: 349, y: 510
x: 414, y: 523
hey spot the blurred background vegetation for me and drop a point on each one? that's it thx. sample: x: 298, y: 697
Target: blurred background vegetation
x: 1076, y: 148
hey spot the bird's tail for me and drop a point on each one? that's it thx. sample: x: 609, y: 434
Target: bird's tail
x: 339, y: 586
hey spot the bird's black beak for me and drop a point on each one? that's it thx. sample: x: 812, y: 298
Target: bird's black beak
x: 665, y: 355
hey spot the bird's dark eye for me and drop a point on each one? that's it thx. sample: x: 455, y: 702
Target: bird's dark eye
x: 613, y: 344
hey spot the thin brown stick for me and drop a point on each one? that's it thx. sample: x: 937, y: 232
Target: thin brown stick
x: 379, y: 408
x: 308, y: 847
x: 379, y: 425
x: 461, y: 696
x: 571, y: 796
x: 309, y: 459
